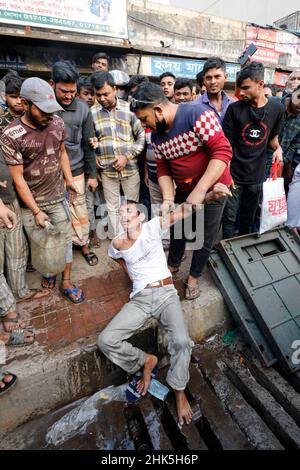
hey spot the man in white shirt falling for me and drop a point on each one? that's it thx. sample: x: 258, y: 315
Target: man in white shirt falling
x: 139, y: 251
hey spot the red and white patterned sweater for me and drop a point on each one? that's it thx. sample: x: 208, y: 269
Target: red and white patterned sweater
x: 185, y: 151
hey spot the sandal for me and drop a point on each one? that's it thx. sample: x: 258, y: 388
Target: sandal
x: 192, y: 292
x: 7, y: 385
x: 34, y: 294
x: 16, y: 320
x: 95, y: 242
x: 67, y: 293
x: 49, y: 282
x: 89, y: 257
x: 17, y: 338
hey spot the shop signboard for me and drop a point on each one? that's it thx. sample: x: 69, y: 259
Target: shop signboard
x: 184, y: 68
x: 280, y: 78
x: 274, y: 46
x: 98, y: 17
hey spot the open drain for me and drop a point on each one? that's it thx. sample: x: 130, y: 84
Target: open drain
x: 238, y: 405
x: 261, y: 400
x: 137, y: 428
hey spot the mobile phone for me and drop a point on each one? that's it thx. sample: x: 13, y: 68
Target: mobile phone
x: 249, y: 52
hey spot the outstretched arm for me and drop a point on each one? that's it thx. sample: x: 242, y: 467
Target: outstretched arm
x: 220, y: 191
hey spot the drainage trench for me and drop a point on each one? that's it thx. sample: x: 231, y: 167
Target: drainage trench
x: 237, y: 405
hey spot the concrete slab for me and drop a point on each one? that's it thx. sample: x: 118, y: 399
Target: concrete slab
x: 48, y: 381
x: 158, y: 435
x: 280, y: 422
x: 278, y: 387
x: 226, y: 432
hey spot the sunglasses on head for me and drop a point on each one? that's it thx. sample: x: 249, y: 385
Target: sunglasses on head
x: 134, y: 102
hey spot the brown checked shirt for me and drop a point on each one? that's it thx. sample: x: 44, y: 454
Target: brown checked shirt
x: 38, y: 150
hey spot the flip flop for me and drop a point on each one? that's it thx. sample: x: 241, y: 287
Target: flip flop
x: 15, y: 320
x: 192, y: 292
x: 8, y: 385
x: 17, y: 338
x: 31, y: 295
x: 67, y: 293
x: 51, y: 282
x: 89, y: 257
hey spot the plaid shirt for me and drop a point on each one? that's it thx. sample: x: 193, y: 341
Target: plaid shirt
x: 290, y: 138
x: 119, y: 132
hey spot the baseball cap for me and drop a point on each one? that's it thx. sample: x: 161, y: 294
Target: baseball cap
x: 120, y: 78
x: 40, y: 93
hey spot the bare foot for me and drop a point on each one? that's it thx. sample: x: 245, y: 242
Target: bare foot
x: 150, y: 364
x: 184, y: 411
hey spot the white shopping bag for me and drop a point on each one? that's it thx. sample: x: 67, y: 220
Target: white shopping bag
x: 274, y: 206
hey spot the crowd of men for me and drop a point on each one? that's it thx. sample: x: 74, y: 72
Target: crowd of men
x: 79, y: 142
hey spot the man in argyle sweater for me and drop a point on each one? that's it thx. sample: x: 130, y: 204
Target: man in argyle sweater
x: 192, y: 152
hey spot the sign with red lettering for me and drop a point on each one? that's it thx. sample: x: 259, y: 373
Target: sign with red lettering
x: 272, y: 44
x: 280, y: 78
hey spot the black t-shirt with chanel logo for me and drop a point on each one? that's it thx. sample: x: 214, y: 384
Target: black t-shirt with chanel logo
x: 249, y: 131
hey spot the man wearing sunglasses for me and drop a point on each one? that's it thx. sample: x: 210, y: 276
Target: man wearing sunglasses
x: 192, y: 152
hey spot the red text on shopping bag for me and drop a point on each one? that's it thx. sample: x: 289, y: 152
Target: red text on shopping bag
x: 277, y: 206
